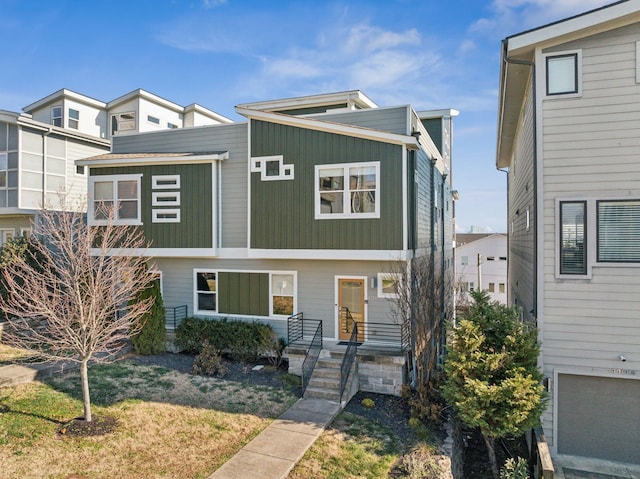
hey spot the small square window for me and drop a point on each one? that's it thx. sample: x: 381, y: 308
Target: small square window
x: 492, y: 287
x: 389, y: 285
x: 464, y: 260
x: 562, y: 74
x: 80, y: 169
x: 272, y: 168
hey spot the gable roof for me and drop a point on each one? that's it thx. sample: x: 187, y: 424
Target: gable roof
x: 518, y: 53
x: 466, y: 238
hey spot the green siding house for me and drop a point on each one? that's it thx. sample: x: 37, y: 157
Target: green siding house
x: 314, y: 207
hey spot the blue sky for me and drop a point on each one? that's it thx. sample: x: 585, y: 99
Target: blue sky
x: 220, y: 53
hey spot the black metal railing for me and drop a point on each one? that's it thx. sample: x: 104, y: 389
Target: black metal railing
x: 173, y: 316
x: 385, y: 336
x: 312, y: 356
x: 348, y: 359
x: 295, y: 328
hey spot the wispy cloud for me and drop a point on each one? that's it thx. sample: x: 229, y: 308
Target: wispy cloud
x: 511, y: 16
x: 213, y: 3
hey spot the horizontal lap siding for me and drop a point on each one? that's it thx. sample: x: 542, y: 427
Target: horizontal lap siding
x: 316, y: 284
x: 591, y: 146
x: 233, y: 181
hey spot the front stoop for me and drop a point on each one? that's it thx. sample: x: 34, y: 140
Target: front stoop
x: 325, y: 381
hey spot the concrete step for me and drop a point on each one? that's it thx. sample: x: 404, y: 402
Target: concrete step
x: 321, y: 393
x: 326, y: 383
x: 326, y: 373
x: 329, y: 363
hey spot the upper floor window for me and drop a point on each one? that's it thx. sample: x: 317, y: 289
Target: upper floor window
x: 74, y: 118
x: 172, y: 126
x: 348, y: 190
x: 562, y: 73
x: 573, y: 251
x: 464, y: 260
x: 618, y: 231
x: 153, y: 119
x: 123, y: 122
x: 120, y: 193
x: 56, y: 116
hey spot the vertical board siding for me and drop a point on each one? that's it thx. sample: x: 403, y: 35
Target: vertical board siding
x: 243, y: 293
x: 213, y: 138
x: 424, y: 172
x: 283, y: 212
x: 194, y: 229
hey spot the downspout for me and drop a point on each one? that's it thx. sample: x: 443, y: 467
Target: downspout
x: 507, y: 60
x: 443, y: 313
x: 508, y: 235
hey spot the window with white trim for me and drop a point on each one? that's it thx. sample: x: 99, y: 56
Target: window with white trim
x: 573, y: 251
x: 123, y: 122
x: 349, y: 190
x: 389, y: 285
x: 282, y: 294
x: 618, y: 225
x: 165, y: 198
x: 172, y: 126
x: 120, y: 193
x: 563, y: 73
x: 271, y: 168
x: 74, y: 118
x: 492, y: 287
x: 206, y: 288
x: 56, y: 116
x: 3, y: 170
x: 165, y: 182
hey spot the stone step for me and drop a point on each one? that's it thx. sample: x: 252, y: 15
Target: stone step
x: 326, y: 373
x: 329, y: 363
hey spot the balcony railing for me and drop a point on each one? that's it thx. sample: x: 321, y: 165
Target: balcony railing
x: 173, y: 316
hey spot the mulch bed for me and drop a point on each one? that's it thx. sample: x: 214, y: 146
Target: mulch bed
x: 99, y: 426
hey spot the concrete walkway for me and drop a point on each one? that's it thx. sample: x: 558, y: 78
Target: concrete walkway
x: 12, y: 374
x: 273, y: 453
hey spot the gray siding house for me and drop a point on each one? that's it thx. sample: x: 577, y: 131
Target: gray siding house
x: 310, y: 207
x: 569, y: 135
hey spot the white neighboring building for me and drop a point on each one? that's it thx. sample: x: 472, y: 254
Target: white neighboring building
x: 491, y: 274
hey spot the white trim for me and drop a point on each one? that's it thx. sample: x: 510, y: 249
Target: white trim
x: 173, y: 198
x: 336, y: 314
x: 204, y: 312
x: 342, y: 254
x: 113, y: 160
x: 203, y: 253
x: 173, y: 218
x: 346, y: 192
x: 383, y: 276
x: 120, y: 122
x: 249, y: 186
x: 216, y: 203
x: 637, y: 62
x: 259, y: 164
x: 405, y: 200
x: 233, y: 253
x: 114, y: 179
x: 578, y: 70
x: 155, y: 179
x: 6, y: 234
x: 159, y: 273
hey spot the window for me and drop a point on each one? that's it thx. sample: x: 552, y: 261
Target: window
x: 165, y: 198
x: 123, y: 122
x: 205, y: 291
x: 172, y: 126
x: 56, y: 116
x: 80, y: 170
x: 165, y: 215
x: 6, y: 235
x: 501, y: 287
x: 503, y: 258
x: 618, y: 224
x: 165, y: 182
x: 153, y: 119
x: 3, y: 170
x: 271, y: 168
x: 74, y: 118
x: 282, y: 294
x: 573, y: 252
x: 492, y: 287
x: 120, y: 192
x: 389, y: 285
x: 347, y: 191
x: 491, y: 258
x: 464, y: 260
x: 562, y: 74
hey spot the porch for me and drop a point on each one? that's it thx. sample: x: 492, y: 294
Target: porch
x: 379, y: 353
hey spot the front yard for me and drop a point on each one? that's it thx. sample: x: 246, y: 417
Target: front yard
x: 170, y: 424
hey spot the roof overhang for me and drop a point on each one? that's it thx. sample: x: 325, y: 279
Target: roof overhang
x: 140, y: 93
x: 330, y: 127
x: 61, y: 94
x: 518, y: 54
x: 206, y: 112
x: 444, y: 113
x: 139, y: 159
x: 353, y: 98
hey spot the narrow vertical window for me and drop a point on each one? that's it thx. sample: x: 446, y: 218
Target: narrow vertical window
x: 282, y: 294
x: 74, y: 118
x: 56, y: 116
x: 206, y: 289
x: 573, y: 251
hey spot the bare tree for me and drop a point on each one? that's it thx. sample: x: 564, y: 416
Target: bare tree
x: 67, y: 298
x: 424, y: 300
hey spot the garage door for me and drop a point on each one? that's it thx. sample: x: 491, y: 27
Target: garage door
x: 599, y: 417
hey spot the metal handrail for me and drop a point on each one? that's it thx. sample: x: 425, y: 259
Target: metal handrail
x: 312, y: 356
x: 348, y: 359
x: 175, y: 315
x: 295, y: 328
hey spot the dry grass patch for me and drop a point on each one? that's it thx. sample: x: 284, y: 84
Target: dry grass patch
x: 9, y: 354
x: 171, y: 425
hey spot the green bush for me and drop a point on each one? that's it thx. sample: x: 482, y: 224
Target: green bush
x: 209, y: 362
x: 243, y: 340
x: 152, y: 338
x: 515, y: 469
